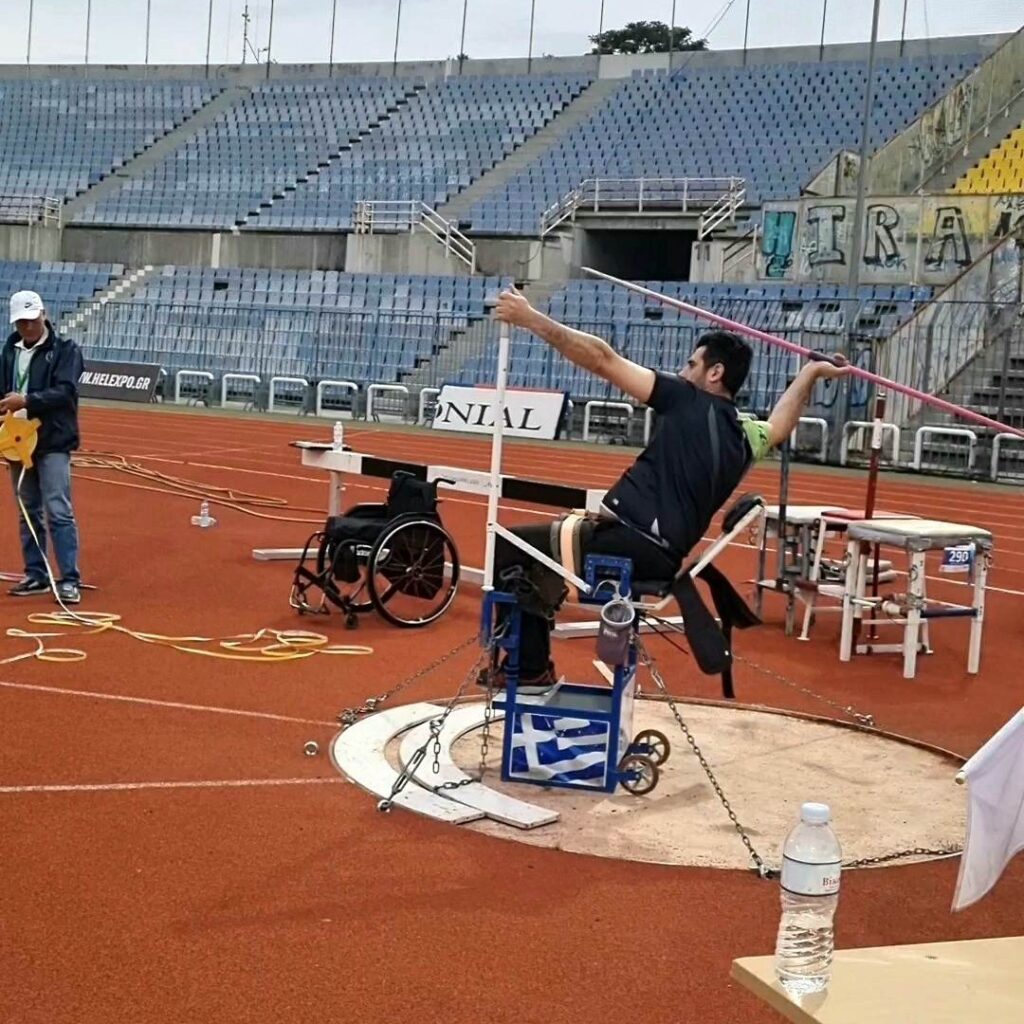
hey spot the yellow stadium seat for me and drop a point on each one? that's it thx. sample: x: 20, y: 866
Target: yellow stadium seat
x: 1000, y: 172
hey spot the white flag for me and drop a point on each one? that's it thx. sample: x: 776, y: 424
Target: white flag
x: 995, y: 812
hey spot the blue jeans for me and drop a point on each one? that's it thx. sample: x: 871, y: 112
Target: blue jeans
x: 47, y: 487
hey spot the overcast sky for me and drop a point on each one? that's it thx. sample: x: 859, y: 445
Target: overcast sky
x: 430, y: 29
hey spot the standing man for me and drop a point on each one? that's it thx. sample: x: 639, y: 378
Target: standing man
x: 39, y: 374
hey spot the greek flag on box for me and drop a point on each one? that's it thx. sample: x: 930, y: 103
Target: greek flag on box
x: 558, y: 749
x: 959, y: 558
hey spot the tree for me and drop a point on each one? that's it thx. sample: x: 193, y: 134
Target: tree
x: 646, y: 37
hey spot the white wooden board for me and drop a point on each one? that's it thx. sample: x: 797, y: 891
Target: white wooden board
x: 358, y: 753
x: 497, y: 806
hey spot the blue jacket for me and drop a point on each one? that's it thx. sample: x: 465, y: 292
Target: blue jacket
x: 52, y: 395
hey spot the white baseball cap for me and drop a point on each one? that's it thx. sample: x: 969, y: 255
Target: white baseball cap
x: 26, y: 306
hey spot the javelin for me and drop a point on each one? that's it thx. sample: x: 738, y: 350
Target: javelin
x: 771, y: 339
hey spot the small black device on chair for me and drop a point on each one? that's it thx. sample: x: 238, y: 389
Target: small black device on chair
x: 396, y: 558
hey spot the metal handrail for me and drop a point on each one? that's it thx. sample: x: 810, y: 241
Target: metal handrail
x: 397, y: 216
x: 674, y: 194
x: 22, y: 208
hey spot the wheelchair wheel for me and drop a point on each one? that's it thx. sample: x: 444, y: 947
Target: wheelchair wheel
x: 406, y: 576
x: 343, y: 566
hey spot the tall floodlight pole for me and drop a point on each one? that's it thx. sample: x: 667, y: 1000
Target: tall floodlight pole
x: 529, y: 57
x: 28, y: 45
x: 88, y: 25
x: 821, y: 45
x: 903, y: 27
x: 672, y: 36
x: 270, y: 37
x: 746, y: 34
x: 330, y: 58
x: 398, y: 27
x: 149, y: 19
x: 862, y: 175
x: 462, y: 39
x: 209, y: 36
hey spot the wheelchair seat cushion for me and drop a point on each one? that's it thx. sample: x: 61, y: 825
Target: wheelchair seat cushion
x: 357, y: 529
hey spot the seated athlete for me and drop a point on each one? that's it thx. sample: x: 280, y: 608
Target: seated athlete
x: 662, y: 505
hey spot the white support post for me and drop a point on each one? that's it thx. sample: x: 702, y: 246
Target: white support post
x: 851, y: 595
x: 886, y: 429
x: 969, y: 435
x: 231, y: 378
x: 589, y: 408
x: 822, y: 426
x: 978, y: 604
x: 997, y: 443
x: 912, y: 629
x: 344, y: 385
x: 426, y: 394
x: 379, y: 389
x: 497, y: 439
x: 648, y: 424
x: 276, y: 381
x: 182, y: 375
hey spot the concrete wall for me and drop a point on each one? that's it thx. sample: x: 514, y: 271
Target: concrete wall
x: 30, y: 242
x: 406, y: 253
x: 612, y: 66
x: 907, y: 239
x: 321, y: 251
x: 135, y: 248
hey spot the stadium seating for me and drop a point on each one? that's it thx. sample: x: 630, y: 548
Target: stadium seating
x: 1001, y: 171
x: 259, y: 148
x: 61, y: 286
x: 429, y: 149
x: 59, y: 136
x: 320, y: 325
x: 775, y: 125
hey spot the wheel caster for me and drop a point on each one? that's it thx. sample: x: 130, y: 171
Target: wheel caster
x: 652, y: 744
x: 351, y: 620
x: 639, y: 774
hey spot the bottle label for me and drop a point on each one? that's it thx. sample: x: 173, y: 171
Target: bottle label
x: 804, y: 879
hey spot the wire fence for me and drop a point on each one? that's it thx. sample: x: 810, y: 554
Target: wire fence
x: 969, y: 351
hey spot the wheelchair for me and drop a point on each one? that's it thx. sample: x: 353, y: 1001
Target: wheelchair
x: 396, y: 558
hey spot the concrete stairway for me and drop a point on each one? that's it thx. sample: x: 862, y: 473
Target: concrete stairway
x: 158, y: 151
x: 575, y: 113
x: 978, y: 148
x: 120, y: 289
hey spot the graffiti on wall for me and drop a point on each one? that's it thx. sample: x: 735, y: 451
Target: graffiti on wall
x: 906, y: 239
x: 777, y: 243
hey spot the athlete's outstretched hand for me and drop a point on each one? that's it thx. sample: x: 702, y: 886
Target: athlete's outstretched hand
x: 825, y: 370
x: 513, y: 308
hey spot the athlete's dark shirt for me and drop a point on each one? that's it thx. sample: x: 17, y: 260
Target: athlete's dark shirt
x: 697, y: 454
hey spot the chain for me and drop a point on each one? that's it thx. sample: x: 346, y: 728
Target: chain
x: 861, y: 718
x: 762, y: 869
x: 349, y: 716
x: 434, y: 740
x: 948, y: 850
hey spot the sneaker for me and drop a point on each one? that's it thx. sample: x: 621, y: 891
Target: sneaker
x: 29, y: 587
x: 68, y: 593
x: 528, y: 685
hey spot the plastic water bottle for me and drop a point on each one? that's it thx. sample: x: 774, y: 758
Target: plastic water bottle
x: 339, y: 436
x: 811, y: 865
x: 204, y: 518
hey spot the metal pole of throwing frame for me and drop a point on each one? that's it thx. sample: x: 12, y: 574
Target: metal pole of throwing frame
x: 497, y: 439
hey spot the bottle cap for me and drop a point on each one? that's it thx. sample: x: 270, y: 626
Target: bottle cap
x: 815, y: 814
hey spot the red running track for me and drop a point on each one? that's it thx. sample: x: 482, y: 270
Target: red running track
x: 285, y: 895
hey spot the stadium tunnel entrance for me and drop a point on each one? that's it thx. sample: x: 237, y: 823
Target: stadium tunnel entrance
x: 637, y: 254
